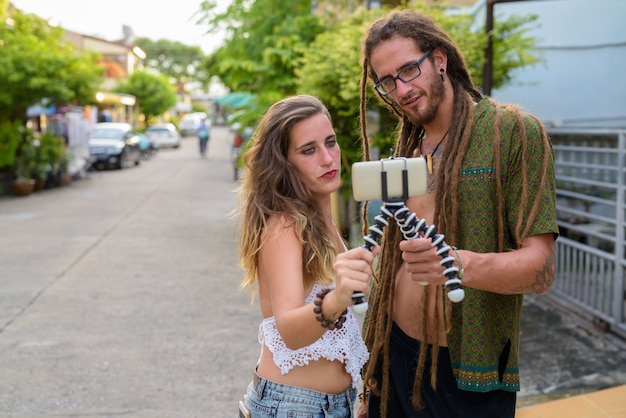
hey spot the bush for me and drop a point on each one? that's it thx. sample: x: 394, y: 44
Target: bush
x: 26, y: 159
x: 50, y: 151
x: 36, y: 157
x: 10, y: 137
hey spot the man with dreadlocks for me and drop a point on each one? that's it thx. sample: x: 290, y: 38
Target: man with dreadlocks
x: 491, y: 192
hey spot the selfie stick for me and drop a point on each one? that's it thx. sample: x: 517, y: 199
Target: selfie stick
x: 394, y: 207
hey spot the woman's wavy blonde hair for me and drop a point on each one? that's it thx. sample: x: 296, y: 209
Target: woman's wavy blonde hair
x: 271, y: 188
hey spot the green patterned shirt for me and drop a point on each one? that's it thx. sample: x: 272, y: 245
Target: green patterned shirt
x: 485, y: 334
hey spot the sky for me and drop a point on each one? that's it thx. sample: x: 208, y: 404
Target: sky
x: 172, y: 20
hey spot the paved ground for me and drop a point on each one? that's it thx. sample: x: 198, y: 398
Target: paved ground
x: 120, y: 298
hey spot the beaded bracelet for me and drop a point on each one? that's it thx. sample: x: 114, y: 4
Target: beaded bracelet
x: 338, y: 323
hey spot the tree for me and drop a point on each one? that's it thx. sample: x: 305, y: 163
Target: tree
x: 265, y: 40
x: 292, y: 51
x: 37, y: 62
x: 154, y: 93
x: 331, y: 69
x: 288, y: 50
x: 180, y: 62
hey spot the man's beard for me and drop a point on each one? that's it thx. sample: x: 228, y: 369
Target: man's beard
x: 437, y: 94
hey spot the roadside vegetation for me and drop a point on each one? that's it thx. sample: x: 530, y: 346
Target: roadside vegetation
x: 272, y: 49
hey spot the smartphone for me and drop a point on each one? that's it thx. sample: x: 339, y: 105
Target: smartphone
x: 367, y: 178
x: 243, y: 411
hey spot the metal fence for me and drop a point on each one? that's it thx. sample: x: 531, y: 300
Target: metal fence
x: 591, y: 210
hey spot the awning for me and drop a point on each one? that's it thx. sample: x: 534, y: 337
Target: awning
x: 38, y: 110
x: 236, y: 100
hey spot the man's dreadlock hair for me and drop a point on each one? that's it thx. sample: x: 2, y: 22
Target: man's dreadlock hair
x: 427, y: 35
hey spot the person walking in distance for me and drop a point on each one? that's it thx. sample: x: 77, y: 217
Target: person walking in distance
x: 204, y: 133
x: 293, y: 256
x: 491, y: 192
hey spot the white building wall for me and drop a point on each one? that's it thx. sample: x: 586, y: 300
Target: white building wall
x: 582, y: 80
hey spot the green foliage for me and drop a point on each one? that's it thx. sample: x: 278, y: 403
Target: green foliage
x: 64, y: 162
x: 180, y: 62
x: 266, y: 39
x: 26, y: 156
x: 154, y: 93
x: 49, y: 153
x: 37, y: 62
x: 512, y: 48
x: 289, y: 50
x: 277, y: 48
x: 35, y: 157
x: 470, y: 40
x: 197, y: 107
x: 9, y: 140
x: 330, y: 68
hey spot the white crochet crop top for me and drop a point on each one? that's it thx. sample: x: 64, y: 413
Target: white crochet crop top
x: 344, y: 344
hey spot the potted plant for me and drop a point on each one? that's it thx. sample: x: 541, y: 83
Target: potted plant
x: 64, y: 167
x: 25, y: 163
x: 50, y: 151
x: 40, y: 173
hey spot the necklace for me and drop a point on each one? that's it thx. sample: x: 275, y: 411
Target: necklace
x: 429, y: 157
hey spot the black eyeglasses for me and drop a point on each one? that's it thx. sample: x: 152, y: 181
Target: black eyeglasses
x: 410, y: 72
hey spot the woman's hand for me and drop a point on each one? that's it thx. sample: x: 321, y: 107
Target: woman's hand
x: 353, y: 270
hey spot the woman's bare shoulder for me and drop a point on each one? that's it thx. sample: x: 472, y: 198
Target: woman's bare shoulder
x: 280, y: 225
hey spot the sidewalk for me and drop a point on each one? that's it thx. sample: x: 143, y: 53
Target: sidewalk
x: 608, y: 403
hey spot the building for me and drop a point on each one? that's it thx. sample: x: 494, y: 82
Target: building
x: 119, y: 60
x: 582, y: 47
x: 582, y: 44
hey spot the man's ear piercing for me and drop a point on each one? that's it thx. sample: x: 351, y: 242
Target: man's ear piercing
x: 441, y: 71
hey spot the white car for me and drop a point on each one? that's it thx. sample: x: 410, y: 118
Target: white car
x: 164, y: 135
x: 190, y: 122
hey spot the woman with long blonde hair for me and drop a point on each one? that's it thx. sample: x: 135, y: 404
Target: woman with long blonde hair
x: 295, y: 259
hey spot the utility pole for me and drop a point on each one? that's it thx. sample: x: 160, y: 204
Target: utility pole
x: 488, y: 67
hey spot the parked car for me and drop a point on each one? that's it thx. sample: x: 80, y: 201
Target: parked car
x: 114, y: 144
x: 164, y: 135
x: 190, y: 122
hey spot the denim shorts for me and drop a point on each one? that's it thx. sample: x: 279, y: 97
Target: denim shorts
x: 266, y: 399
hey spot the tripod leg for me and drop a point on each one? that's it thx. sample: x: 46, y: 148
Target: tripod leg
x: 411, y: 228
x: 376, y: 232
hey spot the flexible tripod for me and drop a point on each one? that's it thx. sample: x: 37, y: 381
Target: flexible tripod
x: 411, y: 228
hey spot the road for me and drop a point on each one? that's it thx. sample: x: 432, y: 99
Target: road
x: 120, y: 298
x: 120, y: 293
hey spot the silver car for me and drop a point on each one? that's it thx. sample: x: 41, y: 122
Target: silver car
x: 164, y: 135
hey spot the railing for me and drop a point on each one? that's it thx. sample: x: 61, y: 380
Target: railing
x: 591, y: 210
